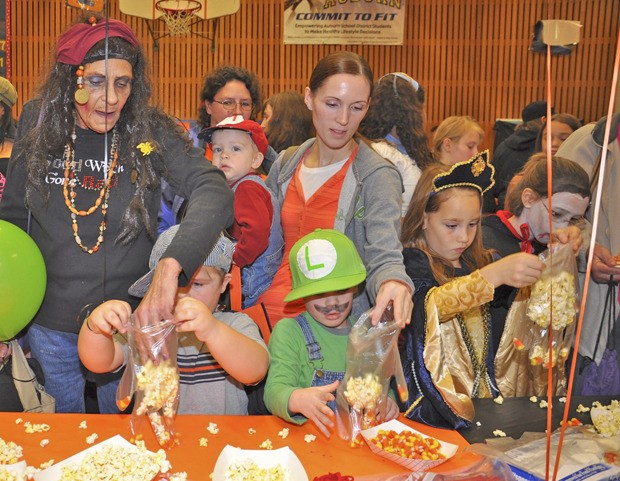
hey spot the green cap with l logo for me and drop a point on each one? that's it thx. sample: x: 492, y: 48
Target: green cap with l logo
x: 324, y: 261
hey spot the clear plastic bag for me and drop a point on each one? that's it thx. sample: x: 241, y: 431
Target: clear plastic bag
x: 372, y: 360
x: 152, y: 374
x: 479, y: 462
x: 555, y: 292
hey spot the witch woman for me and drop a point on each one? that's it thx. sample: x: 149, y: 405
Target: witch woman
x: 84, y: 182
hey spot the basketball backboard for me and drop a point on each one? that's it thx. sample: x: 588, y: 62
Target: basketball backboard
x: 209, y: 8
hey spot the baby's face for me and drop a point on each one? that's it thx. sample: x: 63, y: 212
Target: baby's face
x: 235, y: 153
x: 332, y: 308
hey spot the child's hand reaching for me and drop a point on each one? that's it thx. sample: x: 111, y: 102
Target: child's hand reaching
x: 192, y: 315
x: 108, y: 317
x: 516, y: 270
x: 568, y: 235
x: 311, y: 402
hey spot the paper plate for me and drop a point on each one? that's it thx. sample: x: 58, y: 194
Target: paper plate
x: 16, y: 468
x: 54, y: 472
x: 447, y: 449
x: 262, y: 458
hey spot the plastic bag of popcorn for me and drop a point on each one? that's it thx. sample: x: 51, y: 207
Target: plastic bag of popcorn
x: 372, y: 359
x: 547, y: 309
x: 152, y: 379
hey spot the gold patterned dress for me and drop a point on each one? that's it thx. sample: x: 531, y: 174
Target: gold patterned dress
x: 448, y: 357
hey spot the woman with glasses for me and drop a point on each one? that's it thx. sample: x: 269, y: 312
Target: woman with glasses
x: 226, y: 91
x: 524, y: 227
x: 336, y: 181
x: 395, y: 124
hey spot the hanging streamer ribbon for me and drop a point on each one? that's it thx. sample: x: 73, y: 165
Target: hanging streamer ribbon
x: 550, y: 214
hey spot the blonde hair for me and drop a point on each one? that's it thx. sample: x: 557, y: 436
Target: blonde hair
x: 454, y: 128
x: 426, y: 201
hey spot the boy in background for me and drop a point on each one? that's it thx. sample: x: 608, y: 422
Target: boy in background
x: 239, y: 147
x: 308, y: 353
x: 212, y: 375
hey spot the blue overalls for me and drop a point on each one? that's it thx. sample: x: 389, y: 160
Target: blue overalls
x: 321, y: 376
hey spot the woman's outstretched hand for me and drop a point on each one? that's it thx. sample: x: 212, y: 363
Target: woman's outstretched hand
x: 400, y: 296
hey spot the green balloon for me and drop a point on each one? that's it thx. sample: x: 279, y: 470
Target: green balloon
x: 22, y: 280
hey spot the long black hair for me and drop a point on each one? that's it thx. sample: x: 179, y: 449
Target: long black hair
x: 138, y: 122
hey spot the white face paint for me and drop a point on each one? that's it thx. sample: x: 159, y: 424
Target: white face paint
x: 567, y: 208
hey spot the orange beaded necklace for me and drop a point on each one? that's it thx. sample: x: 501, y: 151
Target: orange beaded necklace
x: 70, y: 195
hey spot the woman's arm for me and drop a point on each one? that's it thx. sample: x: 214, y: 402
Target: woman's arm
x: 209, y: 211
x: 387, y: 280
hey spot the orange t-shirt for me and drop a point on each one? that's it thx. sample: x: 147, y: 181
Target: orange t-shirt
x: 300, y: 217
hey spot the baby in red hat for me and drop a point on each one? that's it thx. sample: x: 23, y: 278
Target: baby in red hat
x: 239, y: 148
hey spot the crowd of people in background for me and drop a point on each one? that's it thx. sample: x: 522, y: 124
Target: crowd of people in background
x: 437, y: 230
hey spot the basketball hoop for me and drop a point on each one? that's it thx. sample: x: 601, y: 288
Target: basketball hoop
x: 178, y: 15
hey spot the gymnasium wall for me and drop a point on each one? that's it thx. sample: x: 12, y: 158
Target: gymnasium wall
x: 471, y: 56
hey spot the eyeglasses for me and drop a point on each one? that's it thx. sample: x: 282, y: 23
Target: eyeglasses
x: 404, y: 77
x: 230, y: 104
x: 566, y: 218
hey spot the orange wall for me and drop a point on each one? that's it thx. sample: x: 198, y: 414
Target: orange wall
x: 471, y: 55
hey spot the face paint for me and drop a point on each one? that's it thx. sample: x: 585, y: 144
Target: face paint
x: 333, y: 308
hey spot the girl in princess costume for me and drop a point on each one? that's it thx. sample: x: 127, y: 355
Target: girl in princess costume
x: 448, y: 354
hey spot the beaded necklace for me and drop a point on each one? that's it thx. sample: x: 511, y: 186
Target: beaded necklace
x: 70, y: 194
x: 478, y: 363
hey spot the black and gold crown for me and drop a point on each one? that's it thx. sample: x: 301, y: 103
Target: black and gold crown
x: 475, y: 172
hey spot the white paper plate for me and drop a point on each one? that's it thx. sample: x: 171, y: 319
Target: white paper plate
x: 15, y: 468
x: 263, y: 458
x: 447, y: 449
x: 53, y: 472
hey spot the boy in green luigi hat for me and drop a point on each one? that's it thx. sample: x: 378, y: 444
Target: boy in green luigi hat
x: 308, y: 353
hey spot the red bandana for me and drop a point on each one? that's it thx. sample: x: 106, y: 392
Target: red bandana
x: 74, y: 44
x: 525, y: 243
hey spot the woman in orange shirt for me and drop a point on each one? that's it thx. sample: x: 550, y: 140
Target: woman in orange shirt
x: 336, y: 181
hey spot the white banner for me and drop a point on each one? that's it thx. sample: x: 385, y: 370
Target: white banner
x: 344, y: 22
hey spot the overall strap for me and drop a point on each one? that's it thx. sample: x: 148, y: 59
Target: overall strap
x: 314, y: 349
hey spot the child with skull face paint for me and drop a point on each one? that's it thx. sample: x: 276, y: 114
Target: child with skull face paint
x: 308, y: 352
x: 524, y: 226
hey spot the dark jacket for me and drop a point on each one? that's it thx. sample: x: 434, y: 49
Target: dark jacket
x: 508, y: 159
x: 75, y: 278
